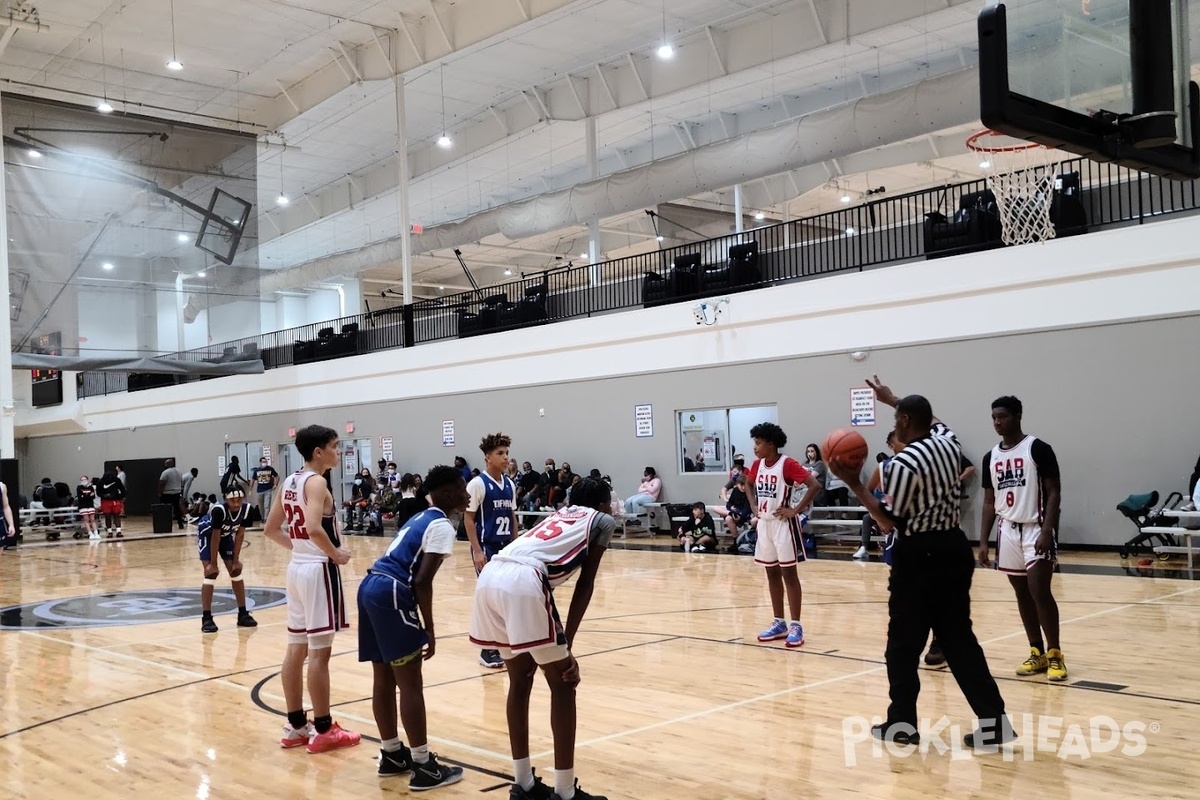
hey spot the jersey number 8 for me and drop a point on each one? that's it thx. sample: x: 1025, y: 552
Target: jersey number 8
x: 1010, y: 499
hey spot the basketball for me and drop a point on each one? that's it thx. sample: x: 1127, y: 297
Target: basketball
x: 845, y: 447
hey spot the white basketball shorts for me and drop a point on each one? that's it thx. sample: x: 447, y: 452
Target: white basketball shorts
x: 1015, y: 552
x: 779, y: 542
x: 514, y: 613
x: 314, y: 602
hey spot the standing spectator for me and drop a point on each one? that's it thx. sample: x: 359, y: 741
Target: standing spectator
x: 233, y: 476
x: 112, y: 503
x: 265, y: 479
x: 8, y: 531
x: 932, y: 569
x: 170, y: 491
x: 85, y: 504
x: 648, y: 492
x: 189, y: 478
x: 119, y: 471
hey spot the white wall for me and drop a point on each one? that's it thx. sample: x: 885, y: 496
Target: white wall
x: 323, y: 304
x: 109, y: 321
x: 195, y: 333
x: 230, y: 321
x: 291, y: 312
x: 167, y: 305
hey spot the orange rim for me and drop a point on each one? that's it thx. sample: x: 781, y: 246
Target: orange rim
x: 974, y: 139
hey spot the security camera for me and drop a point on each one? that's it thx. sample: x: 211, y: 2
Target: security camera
x: 698, y: 311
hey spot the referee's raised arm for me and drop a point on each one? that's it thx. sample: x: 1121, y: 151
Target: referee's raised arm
x: 932, y: 569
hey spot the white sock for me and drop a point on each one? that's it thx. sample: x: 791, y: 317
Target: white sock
x: 421, y: 754
x: 779, y: 620
x: 564, y: 783
x: 795, y: 622
x: 392, y: 745
x: 523, y: 773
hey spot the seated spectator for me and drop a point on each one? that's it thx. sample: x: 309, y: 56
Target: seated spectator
x: 460, y: 464
x: 45, y: 496
x: 698, y: 534
x: 575, y: 481
x: 814, y: 464
x: 737, y: 507
x: 648, y: 492
x: 618, y: 505
x: 869, y: 528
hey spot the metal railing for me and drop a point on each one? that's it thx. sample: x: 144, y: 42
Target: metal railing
x: 885, y: 231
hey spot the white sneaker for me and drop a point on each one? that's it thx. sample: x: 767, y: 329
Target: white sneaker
x: 860, y: 554
x: 296, y: 738
x: 94, y: 535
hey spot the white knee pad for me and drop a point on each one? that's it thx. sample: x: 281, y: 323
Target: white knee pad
x: 322, y: 641
x: 210, y: 581
x: 297, y: 637
x: 236, y: 578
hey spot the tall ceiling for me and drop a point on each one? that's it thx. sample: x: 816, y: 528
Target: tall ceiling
x: 513, y: 84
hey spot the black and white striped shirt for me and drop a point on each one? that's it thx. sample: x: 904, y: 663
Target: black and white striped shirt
x: 920, y: 484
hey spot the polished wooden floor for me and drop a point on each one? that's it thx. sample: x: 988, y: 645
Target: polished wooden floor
x: 677, y: 698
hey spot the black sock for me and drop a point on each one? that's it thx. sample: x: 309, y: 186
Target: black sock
x: 1041, y: 647
x: 323, y: 724
x: 206, y: 615
x: 241, y: 609
x: 297, y: 719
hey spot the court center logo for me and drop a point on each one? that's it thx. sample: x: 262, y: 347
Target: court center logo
x: 130, y: 608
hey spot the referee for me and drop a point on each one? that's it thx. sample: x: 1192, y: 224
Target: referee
x: 932, y: 567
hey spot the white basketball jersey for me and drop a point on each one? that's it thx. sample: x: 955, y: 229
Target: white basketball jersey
x: 560, y: 542
x: 773, y: 489
x: 303, y: 550
x: 1016, y: 483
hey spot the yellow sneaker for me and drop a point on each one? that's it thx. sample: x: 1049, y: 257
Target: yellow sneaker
x: 1056, y: 665
x: 1036, y: 663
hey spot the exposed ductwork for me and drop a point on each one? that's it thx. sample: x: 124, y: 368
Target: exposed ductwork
x: 871, y: 122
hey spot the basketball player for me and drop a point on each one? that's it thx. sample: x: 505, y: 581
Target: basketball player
x: 1023, y: 472
x: 112, y: 502
x: 780, y: 546
x: 491, y: 518
x: 514, y: 611
x: 314, y: 590
x: 8, y: 531
x: 396, y: 639
x: 226, y: 522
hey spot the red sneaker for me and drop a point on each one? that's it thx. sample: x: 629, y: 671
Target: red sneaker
x: 293, y: 737
x: 333, y: 739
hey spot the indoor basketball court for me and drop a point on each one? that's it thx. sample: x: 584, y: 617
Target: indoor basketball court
x: 109, y: 688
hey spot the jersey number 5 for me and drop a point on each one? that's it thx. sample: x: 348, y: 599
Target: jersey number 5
x: 295, y: 521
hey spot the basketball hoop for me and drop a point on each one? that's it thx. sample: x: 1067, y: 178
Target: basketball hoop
x: 1022, y: 175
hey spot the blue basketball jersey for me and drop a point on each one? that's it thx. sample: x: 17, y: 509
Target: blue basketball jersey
x: 227, y: 522
x: 493, y: 518
x: 428, y: 531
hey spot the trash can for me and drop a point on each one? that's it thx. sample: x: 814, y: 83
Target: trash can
x: 160, y: 517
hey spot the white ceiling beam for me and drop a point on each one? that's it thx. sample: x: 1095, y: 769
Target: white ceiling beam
x: 418, y: 51
x: 604, y: 84
x: 441, y: 26
x: 627, y: 232
x: 812, y: 7
x: 716, y: 51
x: 523, y: 5
x: 350, y: 61
x: 7, y: 37
x: 571, y: 81
x: 637, y: 76
x: 496, y: 115
x: 287, y: 96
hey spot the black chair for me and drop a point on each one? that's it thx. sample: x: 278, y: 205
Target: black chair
x: 304, y: 352
x: 532, y: 307
x: 1066, y: 208
x: 975, y: 226
x: 346, y: 342
x: 740, y: 271
x: 656, y: 290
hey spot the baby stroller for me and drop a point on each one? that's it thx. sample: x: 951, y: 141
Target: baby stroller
x: 1140, y: 508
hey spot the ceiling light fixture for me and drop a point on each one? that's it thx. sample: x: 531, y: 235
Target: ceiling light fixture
x: 174, y: 64
x: 845, y: 198
x: 583, y: 255
x: 183, y: 237
x: 34, y: 153
x: 444, y: 141
x: 508, y: 272
x: 665, y: 50
x: 985, y: 164
x: 850, y: 230
x: 282, y: 200
x: 107, y: 265
x: 104, y: 107
x: 201, y: 274
x: 760, y: 216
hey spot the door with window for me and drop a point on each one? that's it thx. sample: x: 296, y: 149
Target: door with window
x: 356, y: 454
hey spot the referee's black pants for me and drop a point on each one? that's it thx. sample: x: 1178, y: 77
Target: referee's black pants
x: 930, y: 588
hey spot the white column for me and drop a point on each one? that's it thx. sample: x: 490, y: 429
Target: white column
x: 593, y: 223
x: 180, y: 302
x: 738, y: 224
x: 787, y: 227
x: 403, y: 212
x: 7, y: 403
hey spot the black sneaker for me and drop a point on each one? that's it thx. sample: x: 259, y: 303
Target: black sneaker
x: 988, y: 738
x: 246, y: 621
x: 580, y: 794
x: 898, y: 732
x: 935, y: 657
x: 540, y: 791
x: 396, y: 762
x: 431, y: 775
x: 208, y: 626
x: 491, y: 659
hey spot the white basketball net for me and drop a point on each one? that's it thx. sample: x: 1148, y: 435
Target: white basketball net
x: 1023, y: 181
